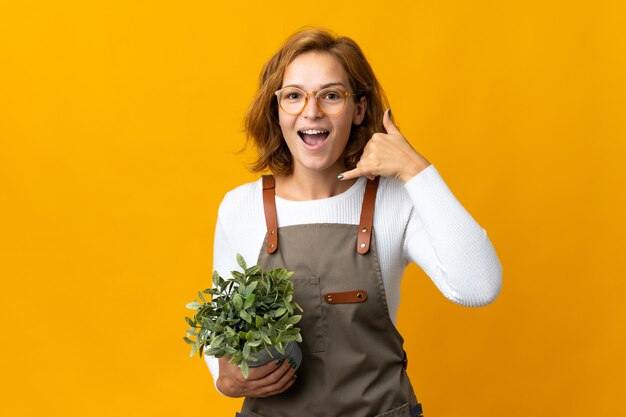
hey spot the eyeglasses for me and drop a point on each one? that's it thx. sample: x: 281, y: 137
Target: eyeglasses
x: 329, y: 100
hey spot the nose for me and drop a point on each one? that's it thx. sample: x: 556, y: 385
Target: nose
x: 311, y: 110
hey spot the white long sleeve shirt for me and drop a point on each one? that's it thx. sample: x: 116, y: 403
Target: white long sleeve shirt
x: 420, y: 221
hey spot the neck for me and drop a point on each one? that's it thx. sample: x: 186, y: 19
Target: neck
x: 304, y: 185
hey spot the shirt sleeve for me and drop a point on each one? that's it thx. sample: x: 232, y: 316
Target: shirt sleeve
x: 448, y: 244
x: 223, y: 259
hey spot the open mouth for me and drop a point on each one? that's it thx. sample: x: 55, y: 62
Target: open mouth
x: 313, y: 137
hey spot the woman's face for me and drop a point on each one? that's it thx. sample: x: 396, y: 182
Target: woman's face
x: 317, y: 140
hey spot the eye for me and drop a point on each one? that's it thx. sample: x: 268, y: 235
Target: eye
x: 331, y: 95
x: 292, y: 94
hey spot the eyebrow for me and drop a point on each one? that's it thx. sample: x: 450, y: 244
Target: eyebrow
x: 300, y: 86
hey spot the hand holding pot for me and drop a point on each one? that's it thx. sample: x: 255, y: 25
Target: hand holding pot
x: 263, y: 381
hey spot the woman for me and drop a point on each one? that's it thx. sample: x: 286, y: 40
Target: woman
x: 349, y: 205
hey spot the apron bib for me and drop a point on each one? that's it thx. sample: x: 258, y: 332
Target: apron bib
x: 353, y: 363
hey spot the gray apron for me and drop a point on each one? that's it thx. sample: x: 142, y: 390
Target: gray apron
x: 353, y: 363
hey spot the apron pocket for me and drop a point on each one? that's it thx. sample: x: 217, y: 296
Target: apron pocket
x: 307, y: 293
x: 402, y: 411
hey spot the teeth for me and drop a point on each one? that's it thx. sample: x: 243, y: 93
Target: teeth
x: 313, y: 132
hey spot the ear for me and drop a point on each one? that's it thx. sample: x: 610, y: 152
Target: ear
x: 359, y: 111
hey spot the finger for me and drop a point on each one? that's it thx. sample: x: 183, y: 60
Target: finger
x: 280, y: 385
x: 262, y: 386
x: 390, y: 126
x: 287, y: 385
x: 260, y: 372
x: 355, y: 173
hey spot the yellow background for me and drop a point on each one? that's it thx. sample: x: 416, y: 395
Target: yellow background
x: 118, y: 126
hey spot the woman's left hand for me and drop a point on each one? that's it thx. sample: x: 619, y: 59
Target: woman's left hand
x: 389, y: 155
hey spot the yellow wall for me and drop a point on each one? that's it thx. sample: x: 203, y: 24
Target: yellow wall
x: 118, y: 126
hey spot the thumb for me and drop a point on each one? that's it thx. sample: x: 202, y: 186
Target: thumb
x: 390, y: 126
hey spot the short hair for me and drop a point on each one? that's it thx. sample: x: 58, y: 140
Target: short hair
x: 261, y: 122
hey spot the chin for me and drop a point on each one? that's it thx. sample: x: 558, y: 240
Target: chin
x: 318, y: 167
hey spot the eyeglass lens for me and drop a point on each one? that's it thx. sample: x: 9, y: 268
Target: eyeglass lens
x: 330, y: 100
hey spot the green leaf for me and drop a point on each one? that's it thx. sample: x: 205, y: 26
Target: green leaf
x: 189, y: 341
x: 241, y: 262
x: 255, y: 343
x: 216, y: 279
x: 253, y: 270
x: 251, y: 287
x: 201, y: 297
x: 238, y: 301
x: 249, y: 300
x: 282, y: 322
x: 244, y: 369
x: 246, y: 351
x: 190, y: 322
x: 280, y: 311
x: 194, y: 348
x: 194, y: 305
x: 258, y: 320
x: 242, y: 289
x: 238, y: 277
x: 294, y: 319
x: 246, y: 316
x: 211, y: 351
x: 217, y: 341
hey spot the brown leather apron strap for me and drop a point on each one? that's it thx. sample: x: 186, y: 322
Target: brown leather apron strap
x: 365, y: 224
x: 367, y: 217
x: 269, y: 205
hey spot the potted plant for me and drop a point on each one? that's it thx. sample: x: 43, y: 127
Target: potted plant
x: 250, y: 317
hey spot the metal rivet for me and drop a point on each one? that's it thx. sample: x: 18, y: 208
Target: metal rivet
x: 329, y: 298
x: 271, y: 245
x: 364, y: 230
x: 272, y: 231
x: 362, y: 245
x: 359, y: 295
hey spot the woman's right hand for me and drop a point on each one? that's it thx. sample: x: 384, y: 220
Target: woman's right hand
x: 263, y: 381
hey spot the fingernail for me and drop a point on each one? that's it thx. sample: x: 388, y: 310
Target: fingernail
x: 278, y: 362
x: 340, y: 176
x: 292, y: 363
